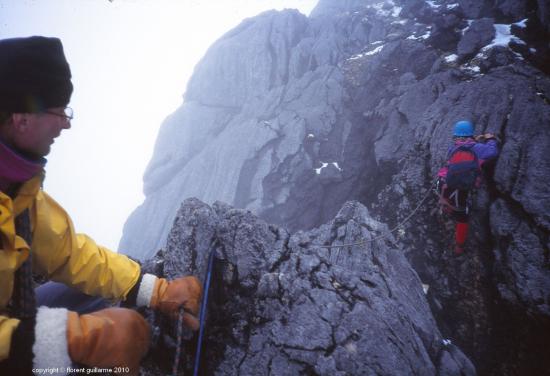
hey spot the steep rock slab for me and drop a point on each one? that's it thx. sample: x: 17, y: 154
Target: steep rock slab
x: 251, y: 120
x: 280, y: 304
x: 288, y: 119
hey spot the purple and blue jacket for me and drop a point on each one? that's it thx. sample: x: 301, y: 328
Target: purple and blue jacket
x: 483, y: 151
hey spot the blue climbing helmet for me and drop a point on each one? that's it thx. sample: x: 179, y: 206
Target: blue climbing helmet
x: 463, y: 128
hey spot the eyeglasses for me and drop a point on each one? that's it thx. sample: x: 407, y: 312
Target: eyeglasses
x: 67, y: 113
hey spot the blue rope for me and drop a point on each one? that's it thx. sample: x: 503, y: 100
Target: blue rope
x: 204, y: 304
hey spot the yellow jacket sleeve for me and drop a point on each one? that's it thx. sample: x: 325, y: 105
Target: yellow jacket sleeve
x: 7, y: 327
x: 75, y: 259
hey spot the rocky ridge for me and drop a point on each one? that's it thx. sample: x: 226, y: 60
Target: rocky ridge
x: 282, y: 304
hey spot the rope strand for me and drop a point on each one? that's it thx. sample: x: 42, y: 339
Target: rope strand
x: 365, y: 241
x: 179, y: 342
x: 204, y: 305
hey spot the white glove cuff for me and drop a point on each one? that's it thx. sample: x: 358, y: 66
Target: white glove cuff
x: 50, y: 348
x: 145, y: 292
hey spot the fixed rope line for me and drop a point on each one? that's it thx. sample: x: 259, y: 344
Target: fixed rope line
x: 202, y: 317
x: 204, y: 305
x: 365, y: 241
x: 179, y: 342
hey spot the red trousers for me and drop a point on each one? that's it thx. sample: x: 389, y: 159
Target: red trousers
x: 461, y: 232
x: 456, y: 199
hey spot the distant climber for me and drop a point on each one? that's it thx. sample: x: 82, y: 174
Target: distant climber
x: 72, y: 322
x: 462, y: 173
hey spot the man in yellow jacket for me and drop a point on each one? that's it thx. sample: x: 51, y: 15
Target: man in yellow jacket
x: 37, y: 237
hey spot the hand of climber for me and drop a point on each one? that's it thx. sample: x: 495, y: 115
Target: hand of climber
x: 484, y: 137
x: 169, y: 296
x: 112, y: 337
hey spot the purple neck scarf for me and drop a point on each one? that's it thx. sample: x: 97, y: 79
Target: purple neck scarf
x: 16, y: 169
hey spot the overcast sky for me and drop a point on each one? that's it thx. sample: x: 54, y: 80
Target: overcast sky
x: 130, y: 61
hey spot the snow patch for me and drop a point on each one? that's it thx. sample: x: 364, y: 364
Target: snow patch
x: 503, y: 37
x: 375, y: 51
x: 471, y: 68
x: 426, y: 36
x: 325, y: 164
x: 452, y: 6
x: 396, y: 11
x: 382, y: 8
x: 425, y: 288
x: 369, y: 53
x: 355, y: 57
x: 451, y: 58
x: 422, y: 37
x: 463, y: 31
x: 522, y: 23
x: 311, y: 135
x: 432, y: 4
x: 399, y: 22
x: 318, y: 170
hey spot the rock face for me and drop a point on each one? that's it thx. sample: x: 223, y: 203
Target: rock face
x: 279, y: 304
x: 292, y: 116
x: 479, y: 34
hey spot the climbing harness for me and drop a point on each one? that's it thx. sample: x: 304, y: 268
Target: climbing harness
x: 202, y: 317
x: 365, y: 241
x: 446, y: 203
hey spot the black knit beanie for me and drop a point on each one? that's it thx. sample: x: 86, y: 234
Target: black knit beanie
x: 34, y: 75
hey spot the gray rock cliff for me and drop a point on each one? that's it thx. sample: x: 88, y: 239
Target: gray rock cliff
x: 282, y: 305
x: 291, y: 117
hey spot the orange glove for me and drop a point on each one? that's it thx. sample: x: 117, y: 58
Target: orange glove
x: 169, y: 296
x: 112, y: 337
